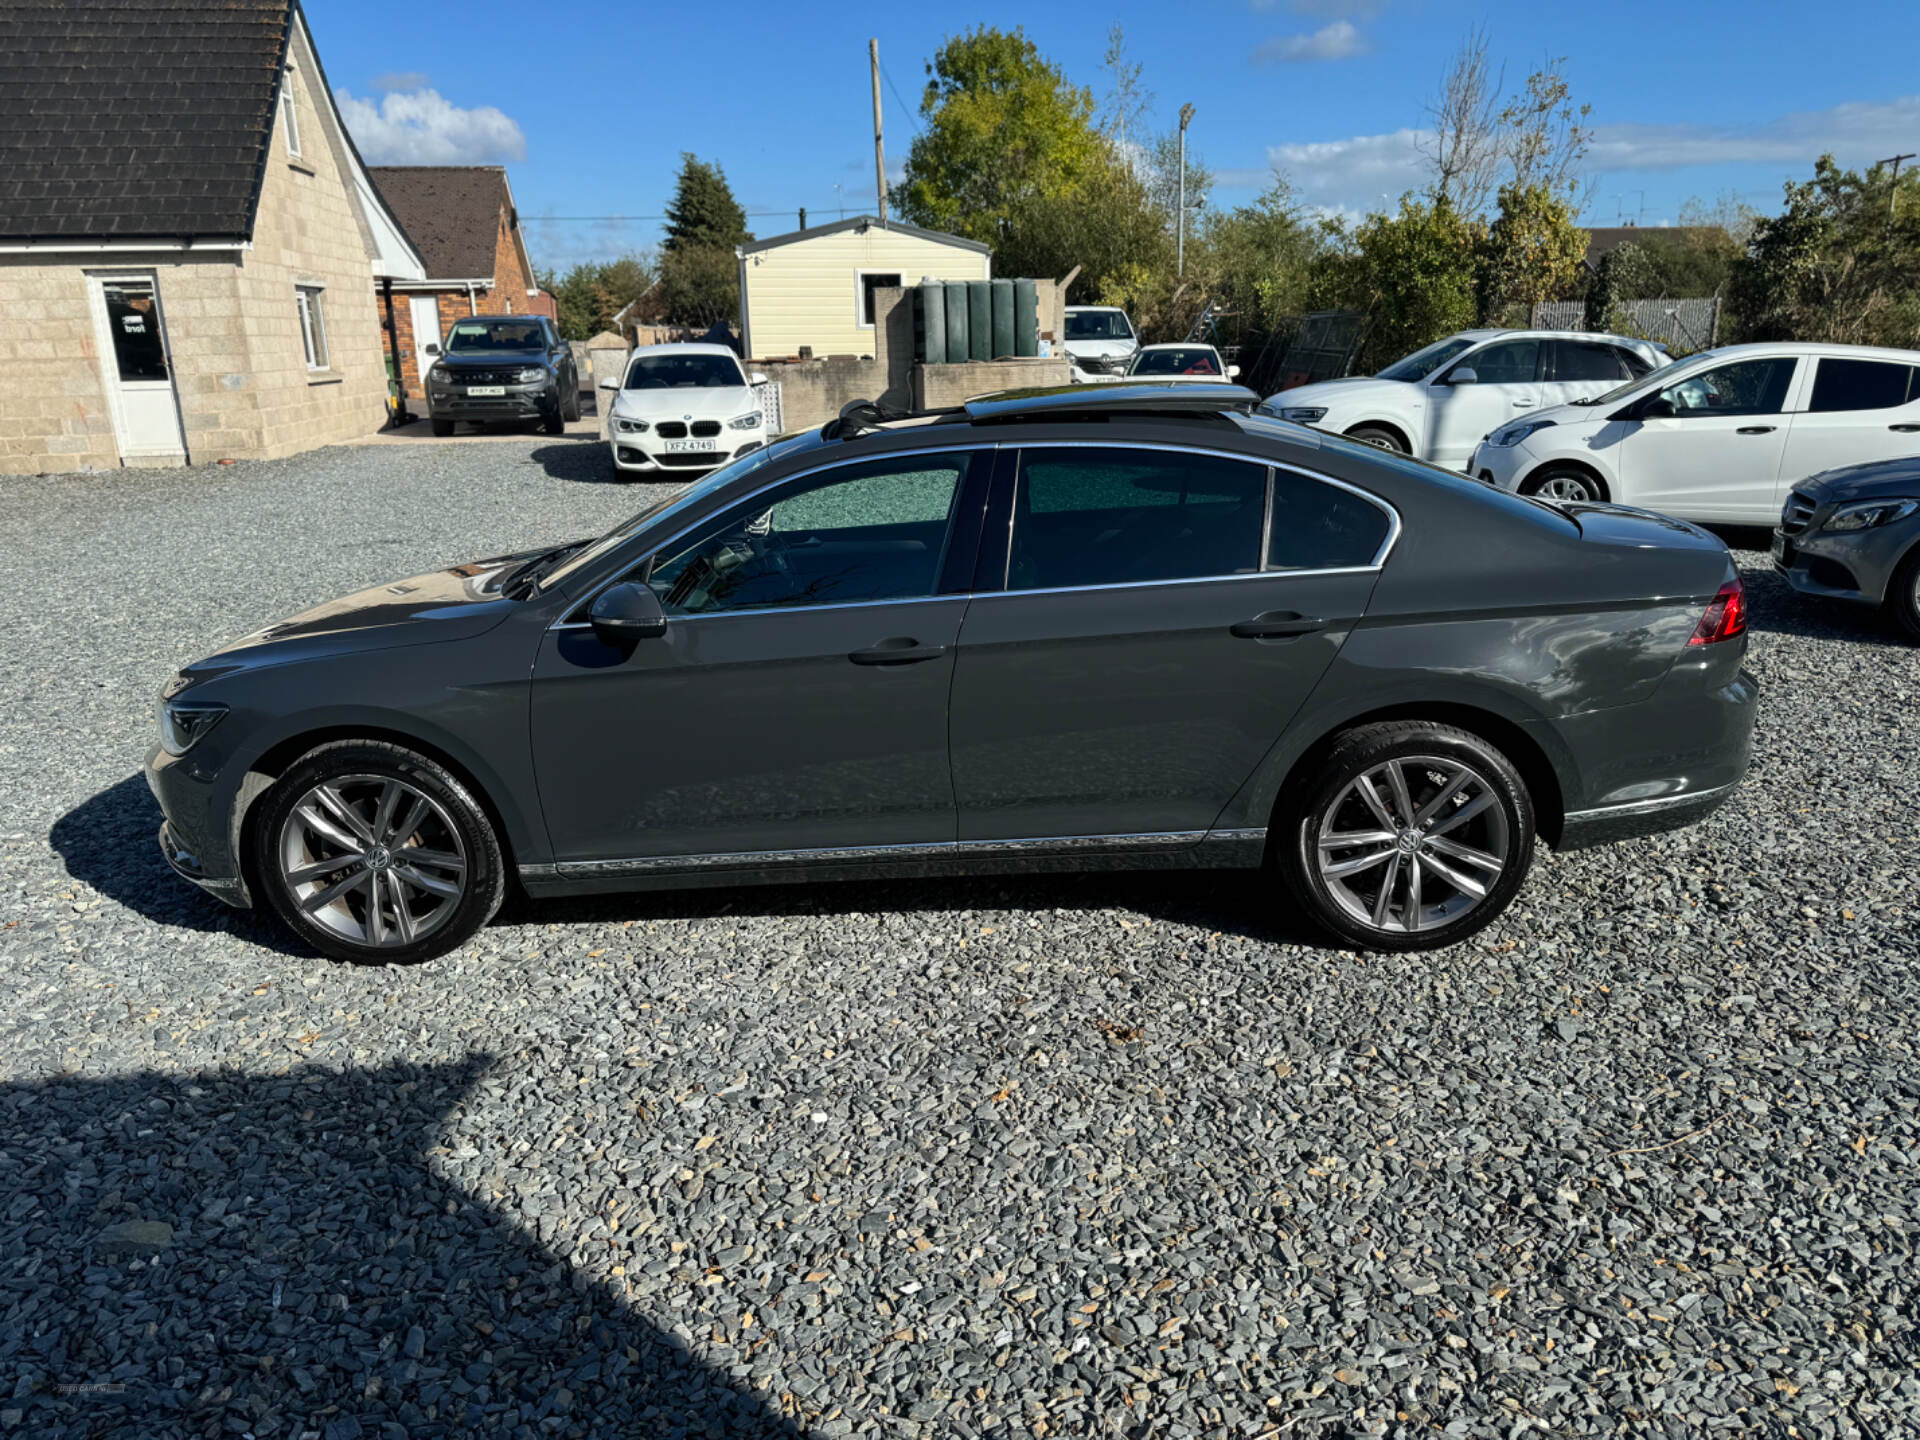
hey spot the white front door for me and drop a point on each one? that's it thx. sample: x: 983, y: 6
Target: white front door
x: 1715, y: 455
x: 426, y: 331
x: 1506, y: 385
x: 1855, y: 411
x: 137, y: 366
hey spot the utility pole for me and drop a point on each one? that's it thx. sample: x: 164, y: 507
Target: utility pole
x: 1180, y: 225
x: 1893, y: 196
x: 879, y: 148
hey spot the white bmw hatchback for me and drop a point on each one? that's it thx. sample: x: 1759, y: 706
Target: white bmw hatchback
x: 1722, y: 436
x: 682, y: 408
x: 1436, y: 403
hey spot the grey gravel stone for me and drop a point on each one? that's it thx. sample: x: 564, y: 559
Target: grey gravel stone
x: 1642, y: 1158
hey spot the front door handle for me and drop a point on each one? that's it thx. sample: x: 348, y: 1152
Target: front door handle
x: 1904, y: 429
x: 1276, y: 625
x: 1754, y: 430
x: 900, y: 650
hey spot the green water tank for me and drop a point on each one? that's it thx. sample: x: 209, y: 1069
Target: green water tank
x: 956, y: 297
x: 1026, y: 318
x: 1001, y: 302
x: 979, y: 321
x: 930, y: 322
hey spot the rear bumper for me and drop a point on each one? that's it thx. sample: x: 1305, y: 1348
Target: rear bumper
x: 1584, y: 828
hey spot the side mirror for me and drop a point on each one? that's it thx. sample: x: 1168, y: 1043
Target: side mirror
x: 624, y: 613
x: 1232, y: 371
x: 756, y: 378
x: 609, y: 382
x: 1658, y: 408
x: 433, y: 349
x: 1465, y: 375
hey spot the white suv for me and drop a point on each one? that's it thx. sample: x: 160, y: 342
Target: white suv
x: 682, y: 408
x: 1722, y: 436
x: 1437, y: 403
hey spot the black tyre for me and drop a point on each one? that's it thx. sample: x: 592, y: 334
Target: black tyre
x: 1564, y: 482
x: 1378, y: 435
x: 443, y: 428
x: 553, y: 422
x: 572, y: 411
x: 1406, y: 835
x: 1903, y: 595
x: 369, y: 851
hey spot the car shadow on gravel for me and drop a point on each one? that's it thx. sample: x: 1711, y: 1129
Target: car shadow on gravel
x: 1244, y: 903
x: 583, y: 462
x: 271, y: 1255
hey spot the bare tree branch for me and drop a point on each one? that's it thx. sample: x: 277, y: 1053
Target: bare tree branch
x: 1464, y: 148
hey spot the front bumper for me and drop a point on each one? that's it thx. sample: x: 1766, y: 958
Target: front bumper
x: 187, y: 866
x: 519, y: 402
x: 1499, y: 465
x: 195, y: 836
x: 643, y: 455
x: 1855, y: 565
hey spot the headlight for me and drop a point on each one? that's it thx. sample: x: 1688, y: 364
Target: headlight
x: 183, y: 722
x: 630, y: 427
x: 1303, y: 414
x: 748, y: 421
x: 1514, y: 434
x: 533, y: 374
x: 1866, y: 514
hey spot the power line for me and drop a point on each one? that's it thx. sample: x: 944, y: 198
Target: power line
x: 912, y: 114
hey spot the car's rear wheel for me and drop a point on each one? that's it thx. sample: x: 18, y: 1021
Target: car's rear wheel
x: 1903, y: 594
x: 1378, y: 435
x: 572, y: 411
x: 369, y: 851
x: 443, y: 428
x: 1564, y: 482
x: 1407, y: 835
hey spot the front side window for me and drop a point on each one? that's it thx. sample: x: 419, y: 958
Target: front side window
x: 858, y: 533
x: 694, y: 371
x: 1860, y: 385
x: 1316, y: 526
x: 1115, y: 516
x: 1510, y: 362
x: 1587, y: 360
x: 1747, y: 387
x: 313, y: 325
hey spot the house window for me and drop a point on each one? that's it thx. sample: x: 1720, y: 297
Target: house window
x: 290, y: 114
x: 313, y: 325
x: 870, y: 281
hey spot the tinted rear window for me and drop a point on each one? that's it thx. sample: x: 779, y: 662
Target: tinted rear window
x: 1321, y: 527
x: 1860, y: 385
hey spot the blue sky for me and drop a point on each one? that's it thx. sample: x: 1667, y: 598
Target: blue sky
x: 591, y: 111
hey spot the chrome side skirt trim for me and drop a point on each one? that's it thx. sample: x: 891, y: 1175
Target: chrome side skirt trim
x: 1648, y: 807
x: 950, y: 849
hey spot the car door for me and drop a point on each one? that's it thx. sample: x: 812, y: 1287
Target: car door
x: 1854, y: 411
x: 798, y: 699
x: 1709, y: 446
x: 1153, y: 619
x: 1459, y: 415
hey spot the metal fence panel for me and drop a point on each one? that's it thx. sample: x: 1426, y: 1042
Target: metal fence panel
x: 1679, y: 325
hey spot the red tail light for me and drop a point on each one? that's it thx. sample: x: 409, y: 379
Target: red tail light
x: 1726, y: 617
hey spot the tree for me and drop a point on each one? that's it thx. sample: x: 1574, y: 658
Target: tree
x: 1542, y: 137
x: 1463, y: 148
x: 1413, y: 274
x: 590, y: 294
x: 1531, y: 253
x: 1003, y: 130
x: 1841, y: 262
x: 1123, y: 117
x: 703, y: 211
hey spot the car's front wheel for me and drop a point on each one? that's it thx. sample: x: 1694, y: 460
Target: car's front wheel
x: 1406, y: 835
x: 1903, y: 595
x: 1379, y: 436
x: 369, y: 851
x: 1564, y: 482
x: 443, y: 428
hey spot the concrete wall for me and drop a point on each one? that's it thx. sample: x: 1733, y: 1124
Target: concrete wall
x: 239, y: 367
x: 812, y: 392
x: 938, y: 385
x: 808, y: 292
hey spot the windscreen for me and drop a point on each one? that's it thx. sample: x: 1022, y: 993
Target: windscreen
x: 1422, y: 363
x: 1098, y: 325
x: 478, y: 336
x: 694, y: 371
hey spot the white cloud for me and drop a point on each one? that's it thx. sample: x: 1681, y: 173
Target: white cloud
x: 399, y: 80
x: 1330, y: 42
x: 1371, y: 172
x: 422, y: 127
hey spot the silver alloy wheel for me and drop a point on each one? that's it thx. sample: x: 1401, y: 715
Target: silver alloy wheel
x: 1564, y: 487
x: 1413, y: 843
x: 373, y: 859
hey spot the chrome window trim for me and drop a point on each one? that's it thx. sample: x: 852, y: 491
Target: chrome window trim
x: 1189, y: 580
x: 750, y: 859
x: 838, y: 463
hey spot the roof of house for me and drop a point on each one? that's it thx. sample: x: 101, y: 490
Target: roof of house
x: 451, y: 212
x: 136, y: 118
x: 860, y: 222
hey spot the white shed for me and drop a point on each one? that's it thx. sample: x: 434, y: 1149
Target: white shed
x: 815, y: 287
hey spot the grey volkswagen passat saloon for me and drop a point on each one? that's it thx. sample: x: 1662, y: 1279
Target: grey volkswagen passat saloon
x: 1104, y: 627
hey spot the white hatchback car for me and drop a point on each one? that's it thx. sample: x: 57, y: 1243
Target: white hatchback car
x: 1722, y: 436
x: 1437, y: 403
x: 682, y: 407
x: 1195, y: 362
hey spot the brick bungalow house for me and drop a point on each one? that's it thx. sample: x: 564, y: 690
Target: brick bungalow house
x: 464, y: 221
x: 187, y: 237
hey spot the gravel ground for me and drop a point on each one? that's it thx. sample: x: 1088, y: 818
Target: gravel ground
x: 1059, y: 1156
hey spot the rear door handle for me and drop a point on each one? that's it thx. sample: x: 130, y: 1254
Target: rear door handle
x: 900, y: 650
x: 1904, y: 429
x: 1754, y: 430
x: 1276, y: 625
